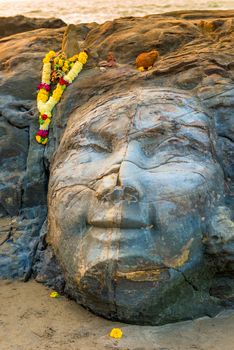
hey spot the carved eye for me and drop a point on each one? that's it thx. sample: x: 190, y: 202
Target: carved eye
x: 149, y: 150
x: 100, y: 148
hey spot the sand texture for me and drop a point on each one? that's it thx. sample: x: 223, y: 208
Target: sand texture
x: 31, y: 320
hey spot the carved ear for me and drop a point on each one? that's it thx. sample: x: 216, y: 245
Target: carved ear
x: 220, y: 237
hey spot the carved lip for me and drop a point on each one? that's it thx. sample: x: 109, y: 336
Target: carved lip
x: 126, y: 223
x: 116, y: 218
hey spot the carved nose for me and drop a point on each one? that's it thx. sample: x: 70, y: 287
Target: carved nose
x: 118, y: 186
x: 127, y: 193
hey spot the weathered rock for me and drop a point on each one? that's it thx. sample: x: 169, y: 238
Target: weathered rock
x: 20, y: 24
x: 140, y: 168
x: 70, y: 44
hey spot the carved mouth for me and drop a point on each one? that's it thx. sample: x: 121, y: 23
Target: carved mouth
x: 115, y: 218
x: 126, y: 223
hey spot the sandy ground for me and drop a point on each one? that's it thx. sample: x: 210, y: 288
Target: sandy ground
x: 30, y: 320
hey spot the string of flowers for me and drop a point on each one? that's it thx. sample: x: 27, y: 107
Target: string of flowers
x: 65, y: 71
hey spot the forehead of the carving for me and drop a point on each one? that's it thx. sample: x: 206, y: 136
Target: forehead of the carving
x: 105, y: 107
x: 108, y: 117
x: 143, y: 108
x: 152, y: 115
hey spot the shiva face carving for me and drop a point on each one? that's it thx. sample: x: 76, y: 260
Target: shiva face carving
x: 131, y: 187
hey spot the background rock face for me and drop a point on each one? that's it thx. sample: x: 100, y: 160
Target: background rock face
x: 20, y: 24
x: 151, y: 150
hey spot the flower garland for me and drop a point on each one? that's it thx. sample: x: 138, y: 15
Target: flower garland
x: 65, y: 71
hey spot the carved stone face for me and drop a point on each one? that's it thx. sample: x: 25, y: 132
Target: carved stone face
x: 131, y: 187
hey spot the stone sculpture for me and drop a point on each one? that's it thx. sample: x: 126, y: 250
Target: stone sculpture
x: 132, y: 189
x: 139, y: 165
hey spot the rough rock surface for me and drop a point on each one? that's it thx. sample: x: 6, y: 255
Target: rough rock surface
x: 140, y: 243
x: 20, y: 24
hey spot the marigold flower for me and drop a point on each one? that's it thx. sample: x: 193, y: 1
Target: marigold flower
x: 60, y: 62
x: 49, y: 105
x: 73, y: 58
x: 42, y: 95
x: 44, y: 141
x: 57, y: 94
x: 116, y: 333
x: 48, y: 56
x: 51, y: 53
x: 66, y: 64
x: 45, y: 104
x: 38, y: 138
x: 54, y: 294
x: 82, y: 57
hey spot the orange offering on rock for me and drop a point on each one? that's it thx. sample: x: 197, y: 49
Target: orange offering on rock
x: 146, y: 60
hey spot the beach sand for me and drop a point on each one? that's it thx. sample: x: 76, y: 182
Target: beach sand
x: 30, y: 319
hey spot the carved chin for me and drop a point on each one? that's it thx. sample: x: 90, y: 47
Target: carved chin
x: 124, y: 289
x: 116, y: 270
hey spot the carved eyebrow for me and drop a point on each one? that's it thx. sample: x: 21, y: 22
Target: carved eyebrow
x: 163, y: 127
x: 199, y: 139
x: 88, y: 139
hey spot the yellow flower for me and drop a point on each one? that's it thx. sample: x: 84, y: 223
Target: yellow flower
x: 73, y: 58
x: 49, y: 115
x: 46, y: 66
x: 60, y: 62
x: 46, y: 123
x: 43, y: 92
x: 82, y: 57
x: 41, y: 107
x: 44, y: 126
x: 57, y: 94
x: 38, y: 138
x: 42, y: 95
x: 43, y: 143
x: 42, y: 98
x: 46, y: 71
x: 66, y: 64
x: 74, y: 72
x: 51, y: 53
x: 50, y: 105
x: 48, y: 56
x: 52, y: 294
x: 116, y: 333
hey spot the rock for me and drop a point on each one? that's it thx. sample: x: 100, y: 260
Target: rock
x: 70, y: 44
x: 139, y: 168
x: 20, y: 24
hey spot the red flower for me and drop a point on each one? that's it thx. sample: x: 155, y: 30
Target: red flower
x: 43, y: 133
x: 63, y: 82
x: 43, y: 86
x: 44, y: 117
